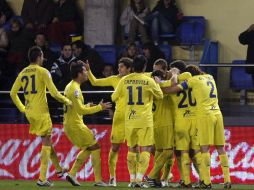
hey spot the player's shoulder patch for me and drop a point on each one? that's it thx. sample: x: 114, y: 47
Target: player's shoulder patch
x: 76, y: 93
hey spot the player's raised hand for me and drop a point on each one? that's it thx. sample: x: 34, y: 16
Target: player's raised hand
x: 87, y: 66
x: 105, y: 105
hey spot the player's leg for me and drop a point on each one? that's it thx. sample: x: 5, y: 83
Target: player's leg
x: 96, y: 161
x: 145, y: 142
x: 81, y: 158
x: 219, y: 143
x: 45, y: 156
x: 112, y: 160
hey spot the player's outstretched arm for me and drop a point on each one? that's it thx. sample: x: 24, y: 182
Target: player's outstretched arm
x: 14, y: 95
x: 94, y: 81
x: 53, y: 90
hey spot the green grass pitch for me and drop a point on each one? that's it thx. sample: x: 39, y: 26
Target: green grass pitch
x: 63, y: 185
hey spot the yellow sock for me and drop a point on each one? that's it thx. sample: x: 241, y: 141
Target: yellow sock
x: 156, y: 155
x: 55, y: 160
x: 205, y: 165
x: 143, y: 164
x: 179, y: 165
x: 185, y: 165
x: 159, y: 163
x: 132, y: 165
x: 197, y: 164
x: 167, y: 168
x: 45, y: 155
x: 96, y: 161
x: 81, y: 158
x: 112, y: 160
x: 225, y: 167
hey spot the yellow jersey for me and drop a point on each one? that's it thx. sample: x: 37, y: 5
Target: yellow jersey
x: 34, y: 80
x: 109, y: 81
x: 138, y: 92
x: 205, y: 92
x: 74, y: 114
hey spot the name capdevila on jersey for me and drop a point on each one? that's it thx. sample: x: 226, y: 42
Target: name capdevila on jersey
x: 28, y: 70
x: 141, y: 82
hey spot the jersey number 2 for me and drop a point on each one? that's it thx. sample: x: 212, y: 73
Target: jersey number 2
x: 26, y: 80
x: 139, y: 102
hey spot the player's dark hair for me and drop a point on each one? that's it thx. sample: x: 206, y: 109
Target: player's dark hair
x: 127, y: 62
x: 194, y: 70
x: 163, y: 63
x: 33, y: 53
x: 158, y: 73
x: 76, y: 68
x: 139, y: 63
x: 40, y: 33
x: 179, y: 64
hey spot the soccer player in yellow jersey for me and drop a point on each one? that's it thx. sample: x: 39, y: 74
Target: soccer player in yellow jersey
x: 34, y: 80
x: 76, y: 131
x: 163, y: 128
x: 138, y: 91
x: 210, y: 122
x: 118, y: 131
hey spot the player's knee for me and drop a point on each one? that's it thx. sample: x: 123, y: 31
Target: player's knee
x: 220, y: 150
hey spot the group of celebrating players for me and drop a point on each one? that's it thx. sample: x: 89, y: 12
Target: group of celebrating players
x: 165, y: 113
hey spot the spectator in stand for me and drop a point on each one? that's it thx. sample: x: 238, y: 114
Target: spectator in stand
x: 37, y: 14
x: 5, y: 12
x: 41, y: 41
x: 247, y: 38
x: 131, y: 51
x: 64, y: 21
x: 60, y: 69
x: 164, y: 18
x: 84, y: 52
x: 20, y: 39
x: 108, y: 71
x: 152, y: 53
x: 132, y: 19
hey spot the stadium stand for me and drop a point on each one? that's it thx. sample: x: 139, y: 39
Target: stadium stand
x: 107, y: 52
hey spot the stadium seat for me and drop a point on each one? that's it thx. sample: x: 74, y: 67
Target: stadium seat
x: 210, y: 56
x: 239, y: 79
x: 192, y: 30
x: 167, y: 50
x: 107, y: 52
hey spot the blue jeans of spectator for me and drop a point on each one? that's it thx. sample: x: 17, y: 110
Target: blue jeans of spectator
x: 159, y: 25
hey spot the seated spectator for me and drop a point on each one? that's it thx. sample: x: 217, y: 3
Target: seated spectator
x: 152, y: 53
x: 20, y: 40
x: 63, y: 24
x: 41, y: 41
x: 165, y: 18
x: 37, y: 14
x: 131, y: 51
x: 5, y: 12
x: 247, y: 38
x: 107, y: 71
x: 132, y: 19
x: 60, y: 69
x: 84, y: 52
